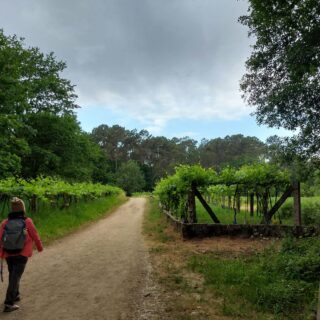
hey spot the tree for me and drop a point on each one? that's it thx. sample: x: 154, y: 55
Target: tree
x: 234, y: 150
x: 57, y: 146
x: 130, y: 178
x: 30, y: 83
x: 117, y: 142
x: 12, y: 146
x: 283, y: 152
x: 156, y: 156
x: 283, y: 72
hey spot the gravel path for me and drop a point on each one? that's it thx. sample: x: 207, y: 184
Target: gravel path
x: 99, y: 272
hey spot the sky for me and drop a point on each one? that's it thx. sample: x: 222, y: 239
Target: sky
x: 172, y: 67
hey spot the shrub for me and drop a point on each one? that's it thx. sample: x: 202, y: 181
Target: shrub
x: 281, y: 281
x: 310, y: 210
x: 311, y: 213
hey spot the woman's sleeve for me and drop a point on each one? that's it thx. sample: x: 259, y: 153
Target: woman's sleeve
x: 34, y: 235
x: 1, y: 233
x: 1, y: 230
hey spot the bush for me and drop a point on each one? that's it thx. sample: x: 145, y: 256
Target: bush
x: 310, y: 208
x: 311, y: 213
x: 299, y: 259
x: 130, y: 178
x: 282, y: 282
x: 282, y: 297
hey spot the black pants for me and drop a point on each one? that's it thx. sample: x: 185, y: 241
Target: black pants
x: 16, y: 265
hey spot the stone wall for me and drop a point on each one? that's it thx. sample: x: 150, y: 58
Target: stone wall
x: 199, y: 230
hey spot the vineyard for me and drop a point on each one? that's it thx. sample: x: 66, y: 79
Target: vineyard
x: 51, y: 191
x: 258, y: 189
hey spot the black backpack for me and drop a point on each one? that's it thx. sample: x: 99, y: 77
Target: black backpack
x: 14, y: 235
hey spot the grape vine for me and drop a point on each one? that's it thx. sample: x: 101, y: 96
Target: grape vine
x: 57, y: 192
x: 262, y: 181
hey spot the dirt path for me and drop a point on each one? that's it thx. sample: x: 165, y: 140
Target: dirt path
x: 96, y: 273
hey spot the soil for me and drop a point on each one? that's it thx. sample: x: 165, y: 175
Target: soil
x: 99, y: 272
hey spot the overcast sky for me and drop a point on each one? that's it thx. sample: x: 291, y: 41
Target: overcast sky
x: 170, y: 66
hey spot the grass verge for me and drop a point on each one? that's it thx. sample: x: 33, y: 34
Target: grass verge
x: 55, y: 223
x: 226, y: 216
x: 232, y: 278
x: 310, y: 212
x: 281, y: 282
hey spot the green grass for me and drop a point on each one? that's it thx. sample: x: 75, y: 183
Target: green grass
x: 310, y: 210
x: 54, y: 223
x: 281, y: 283
x: 225, y: 215
x: 155, y: 222
x: 310, y: 207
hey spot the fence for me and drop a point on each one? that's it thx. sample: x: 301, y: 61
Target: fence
x: 199, y: 230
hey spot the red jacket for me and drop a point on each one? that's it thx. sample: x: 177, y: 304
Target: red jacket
x: 32, y: 236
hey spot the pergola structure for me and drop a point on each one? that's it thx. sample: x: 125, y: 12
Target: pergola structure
x: 292, y: 189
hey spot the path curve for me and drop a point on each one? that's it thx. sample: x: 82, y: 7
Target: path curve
x: 96, y: 273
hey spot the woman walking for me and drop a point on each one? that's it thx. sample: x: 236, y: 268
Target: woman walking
x: 17, y: 234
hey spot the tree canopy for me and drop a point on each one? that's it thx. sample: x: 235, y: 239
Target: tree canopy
x: 158, y: 156
x: 39, y: 133
x: 30, y: 80
x: 235, y: 150
x: 283, y: 75
x: 130, y: 177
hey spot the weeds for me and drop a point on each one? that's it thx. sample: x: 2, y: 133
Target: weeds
x: 283, y: 283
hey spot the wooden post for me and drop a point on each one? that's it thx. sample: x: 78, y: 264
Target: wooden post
x: 280, y: 202
x: 251, y: 204
x: 318, y: 305
x: 266, y: 217
x: 192, y: 215
x: 296, y: 203
x: 223, y: 202
x: 238, y: 202
x: 206, y: 206
x: 258, y: 209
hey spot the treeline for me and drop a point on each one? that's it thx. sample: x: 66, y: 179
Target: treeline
x: 158, y: 156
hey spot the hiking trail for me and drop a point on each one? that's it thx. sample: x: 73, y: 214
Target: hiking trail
x: 98, y: 272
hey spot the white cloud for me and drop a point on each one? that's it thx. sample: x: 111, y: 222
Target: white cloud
x: 153, y: 61
x: 156, y: 109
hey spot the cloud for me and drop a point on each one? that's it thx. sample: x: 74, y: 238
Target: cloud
x: 152, y: 60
